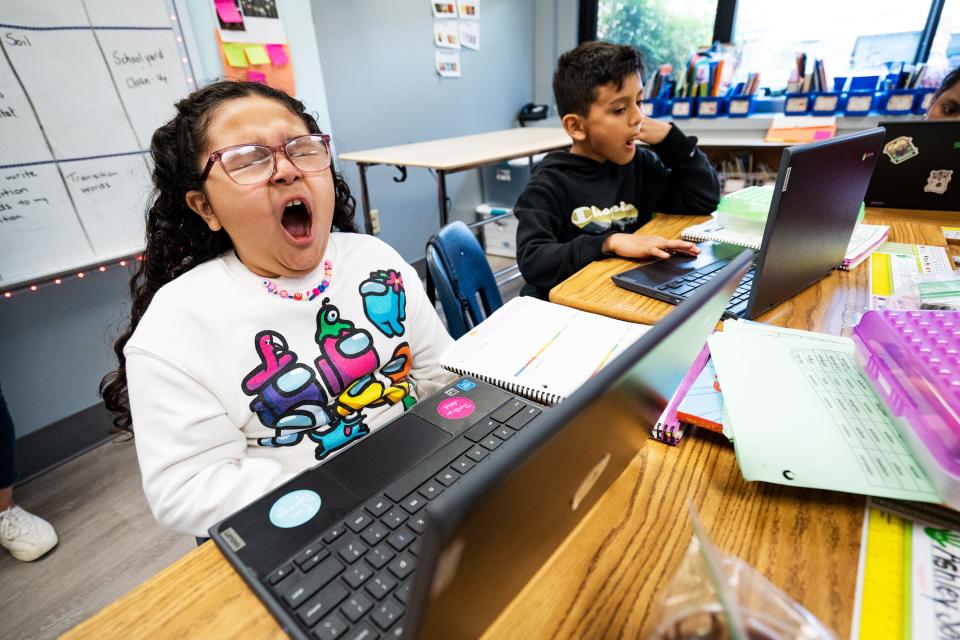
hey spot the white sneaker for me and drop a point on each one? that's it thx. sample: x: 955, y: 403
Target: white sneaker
x: 25, y: 535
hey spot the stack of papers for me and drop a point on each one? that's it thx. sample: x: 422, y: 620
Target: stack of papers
x: 894, y: 265
x: 800, y: 413
x: 792, y: 129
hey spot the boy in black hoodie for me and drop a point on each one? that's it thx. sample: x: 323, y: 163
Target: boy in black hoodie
x: 584, y: 204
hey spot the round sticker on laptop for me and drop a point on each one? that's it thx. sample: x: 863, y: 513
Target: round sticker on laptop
x: 295, y: 508
x: 456, y: 408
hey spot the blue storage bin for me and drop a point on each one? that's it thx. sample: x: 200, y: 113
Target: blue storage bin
x: 897, y: 102
x: 683, y: 108
x: 740, y: 106
x: 711, y: 107
x: 858, y: 103
x: 655, y: 107
x: 795, y: 104
x: 825, y: 103
x: 923, y: 100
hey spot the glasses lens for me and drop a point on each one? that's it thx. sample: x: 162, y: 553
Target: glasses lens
x: 248, y: 164
x: 309, y: 153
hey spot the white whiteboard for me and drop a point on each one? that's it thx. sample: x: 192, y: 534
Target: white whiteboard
x: 83, y: 85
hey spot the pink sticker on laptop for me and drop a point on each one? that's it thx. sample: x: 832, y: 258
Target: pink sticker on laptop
x: 456, y: 408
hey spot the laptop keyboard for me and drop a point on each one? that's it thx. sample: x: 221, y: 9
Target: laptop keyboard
x: 686, y: 285
x: 353, y: 581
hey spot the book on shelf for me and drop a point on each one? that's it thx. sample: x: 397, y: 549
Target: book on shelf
x: 865, y: 239
x: 540, y: 350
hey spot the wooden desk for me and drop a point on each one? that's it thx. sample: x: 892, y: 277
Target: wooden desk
x: 605, y: 581
x: 825, y: 306
x: 451, y: 155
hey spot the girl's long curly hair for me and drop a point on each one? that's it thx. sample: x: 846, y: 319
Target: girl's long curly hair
x: 177, y: 239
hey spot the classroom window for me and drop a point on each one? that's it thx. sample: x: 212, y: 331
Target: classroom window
x: 855, y: 37
x: 945, y: 50
x: 664, y: 32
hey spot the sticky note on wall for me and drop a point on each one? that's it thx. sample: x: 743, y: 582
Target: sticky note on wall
x: 234, y: 54
x: 256, y: 76
x: 277, y: 54
x: 256, y: 54
x: 228, y: 12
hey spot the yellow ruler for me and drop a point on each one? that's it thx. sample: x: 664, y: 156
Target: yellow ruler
x: 885, y: 604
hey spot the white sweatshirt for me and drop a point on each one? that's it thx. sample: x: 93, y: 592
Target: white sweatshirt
x: 234, y: 389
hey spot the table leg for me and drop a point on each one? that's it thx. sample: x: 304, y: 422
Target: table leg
x: 365, y: 198
x: 442, y: 188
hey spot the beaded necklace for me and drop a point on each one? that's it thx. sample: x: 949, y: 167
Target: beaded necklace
x: 310, y: 294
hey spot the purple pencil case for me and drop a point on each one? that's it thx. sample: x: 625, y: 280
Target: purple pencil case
x: 912, y: 358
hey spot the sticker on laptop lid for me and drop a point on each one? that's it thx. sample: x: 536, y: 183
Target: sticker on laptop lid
x: 900, y: 149
x: 295, y: 508
x: 466, y: 384
x: 456, y: 408
x: 938, y: 180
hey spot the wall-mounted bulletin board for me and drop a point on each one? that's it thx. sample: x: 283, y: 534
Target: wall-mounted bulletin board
x: 83, y: 85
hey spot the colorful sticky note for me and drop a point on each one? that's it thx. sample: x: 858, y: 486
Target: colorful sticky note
x: 256, y: 76
x: 256, y: 54
x: 228, y: 12
x: 277, y: 53
x: 235, y: 55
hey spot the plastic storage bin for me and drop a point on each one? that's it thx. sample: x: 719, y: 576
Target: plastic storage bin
x: 683, y: 107
x: 825, y: 103
x: 912, y: 359
x: 796, y: 104
x: 740, y: 107
x: 898, y: 102
x: 504, y: 181
x: 923, y: 100
x: 858, y: 103
x: 746, y: 210
x: 711, y: 107
x: 499, y: 236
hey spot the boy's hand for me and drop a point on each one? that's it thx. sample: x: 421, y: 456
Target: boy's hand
x: 653, y: 131
x: 628, y: 245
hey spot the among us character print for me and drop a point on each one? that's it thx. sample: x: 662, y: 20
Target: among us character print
x: 327, y: 406
x: 287, y: 396
x: 385, y: 301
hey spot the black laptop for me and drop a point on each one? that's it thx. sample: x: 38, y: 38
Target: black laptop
x: 816, y: 200
x: 919, y: 167
x: 333, y: 552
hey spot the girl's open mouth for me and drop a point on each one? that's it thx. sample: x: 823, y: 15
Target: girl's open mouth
x: 296, y: 219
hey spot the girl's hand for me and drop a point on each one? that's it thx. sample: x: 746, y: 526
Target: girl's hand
x: 628, y: 245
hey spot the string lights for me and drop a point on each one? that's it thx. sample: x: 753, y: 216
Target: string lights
x: 60, y: 278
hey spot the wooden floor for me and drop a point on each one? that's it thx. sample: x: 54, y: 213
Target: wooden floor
x: 109, y: 541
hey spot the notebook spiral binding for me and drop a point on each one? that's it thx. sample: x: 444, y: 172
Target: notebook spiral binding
x: 713, y: 237
x: 537, y: 395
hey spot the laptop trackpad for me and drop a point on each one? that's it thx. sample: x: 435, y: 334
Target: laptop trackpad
x: 679, y: 264
x: 386, y: 454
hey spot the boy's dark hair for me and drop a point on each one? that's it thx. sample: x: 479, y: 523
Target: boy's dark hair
x: 952, y: 78
x: 581, y: 71
x: 177, y: 239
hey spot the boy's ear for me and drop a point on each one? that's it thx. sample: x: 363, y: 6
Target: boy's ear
x: 574, y: 125
x: 198, y: 203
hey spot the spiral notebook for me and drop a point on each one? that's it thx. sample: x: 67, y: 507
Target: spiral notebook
x: 865, y: 239
x: 540, y: 350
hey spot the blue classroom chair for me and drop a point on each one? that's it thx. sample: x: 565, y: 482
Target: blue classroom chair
x: 462, y: 276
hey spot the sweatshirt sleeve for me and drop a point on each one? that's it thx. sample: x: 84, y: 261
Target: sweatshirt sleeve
x: 686, y: 180
x: 428, y: 339
x: 545, y: 260
x: 192, y: 457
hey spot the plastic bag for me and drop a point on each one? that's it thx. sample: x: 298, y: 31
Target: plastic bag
x: 936, y: 291
x: 715, y: 595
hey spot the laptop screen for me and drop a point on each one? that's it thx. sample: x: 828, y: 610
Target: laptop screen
x: 490, y: 533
